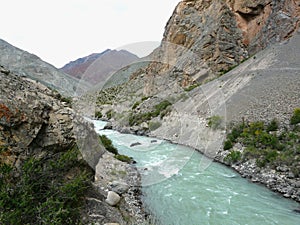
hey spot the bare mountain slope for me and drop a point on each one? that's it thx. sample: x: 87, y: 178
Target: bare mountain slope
x: 98, y: 66
x: 25, y: 64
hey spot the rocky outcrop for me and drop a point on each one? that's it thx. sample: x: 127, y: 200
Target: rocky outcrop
x: 36, y: 125
x: 33, y: 119
x: 205, y: 38
x: 23, y: 63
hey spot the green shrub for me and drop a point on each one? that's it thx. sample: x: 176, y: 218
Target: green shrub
x: 42, y: 194
x: 67, y: 100
x: 228, y: 145
x: 107, y: 143
x: 192, y: 87
x: 124, y: 158
x: 233, y: 157
x: 295, y: 119
x: 109, y: 114
x: 159, y: 109
x: 269, y: 149
x: 214, y: 122
x: 162, y: 105
x: 135, y: 105
x: 270, y: 155
x: 273, y: 125
x: 98, y: 114
x: 145, y: 98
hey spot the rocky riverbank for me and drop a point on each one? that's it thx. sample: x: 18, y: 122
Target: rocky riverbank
x: 121, y: 184
x: 281, y: 180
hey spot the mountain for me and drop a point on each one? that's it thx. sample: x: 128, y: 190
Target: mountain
x: 25, y: 64
x: 204, y: 39
x: 98, y: 66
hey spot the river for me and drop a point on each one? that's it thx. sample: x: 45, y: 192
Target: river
x: 178, y: 192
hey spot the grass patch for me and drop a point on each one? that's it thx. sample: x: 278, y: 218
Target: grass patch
x: 107, y: 143
x: 124, y: 158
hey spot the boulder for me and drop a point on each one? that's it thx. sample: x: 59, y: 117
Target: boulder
x: 135, y: 144
x: 118, y: 187
x: 108, y: 126
x: 112, y: 198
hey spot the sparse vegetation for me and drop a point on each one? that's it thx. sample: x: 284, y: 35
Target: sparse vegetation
x: 269, y: 148
x: 295, y: 119
x: 192, y: 87
x: 67, y: 100
x: 145, y: 98
x: 135, y: 105
x: 215, y: 122
x: 223, y: 71
x: 109, y: 114
x: 233, y: 157
x: 98, y: 115
x: 158, y: 110
x: 107, y: 143
x: 43, y: 194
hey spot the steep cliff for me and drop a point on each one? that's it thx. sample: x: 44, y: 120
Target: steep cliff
x: 205, y: 38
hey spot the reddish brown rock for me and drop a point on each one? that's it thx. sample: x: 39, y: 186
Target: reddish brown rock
x: 205, y: 38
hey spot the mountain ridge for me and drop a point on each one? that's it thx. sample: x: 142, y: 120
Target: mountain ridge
x: 95, y: 67
x: 24, y: 63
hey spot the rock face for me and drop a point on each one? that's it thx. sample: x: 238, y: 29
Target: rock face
x: 25, y: 64
x: 97, y: 67
x: 204, y: 38
x: 32, y: 118
x: 35, y: 123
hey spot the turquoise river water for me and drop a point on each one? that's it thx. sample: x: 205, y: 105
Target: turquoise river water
x: 177, y: 192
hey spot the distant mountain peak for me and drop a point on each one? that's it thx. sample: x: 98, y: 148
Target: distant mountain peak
x: 108, y: 61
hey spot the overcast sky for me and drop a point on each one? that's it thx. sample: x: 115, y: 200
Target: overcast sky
x: 59, y: 31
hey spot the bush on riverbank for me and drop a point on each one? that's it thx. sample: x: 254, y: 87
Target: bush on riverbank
x: 107, y: 143
x: 270, y: 148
